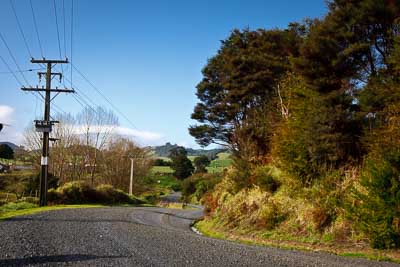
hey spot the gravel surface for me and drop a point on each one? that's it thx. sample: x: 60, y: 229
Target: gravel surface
x: 137, y: 237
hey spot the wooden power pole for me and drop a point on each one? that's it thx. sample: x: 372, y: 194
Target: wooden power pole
x: 45, y: 125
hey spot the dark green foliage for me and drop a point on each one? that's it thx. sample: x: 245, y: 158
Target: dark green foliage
x: 165, y: 150
x: 181, y: 164
x: 6, y: 152
x: 198, y: 185
x: 79, y: 193
x: 201, y: 163
x: 161, y: 162
x: 33, y: 182
x: 378, y: 211
x: 239, y: 87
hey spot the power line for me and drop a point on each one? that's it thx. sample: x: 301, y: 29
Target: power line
x: 10, y: 70
x: 65, y: 39
x: 13, y: 58
x: 20, y: 28
x: 28, y: 70
x: 18, y: 80
x: 36, y: 28
x: 58, y: 38
x: 104, y: 97
x: 72, y: 39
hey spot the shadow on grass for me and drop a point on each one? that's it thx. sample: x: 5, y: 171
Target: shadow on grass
x: 53, y: 259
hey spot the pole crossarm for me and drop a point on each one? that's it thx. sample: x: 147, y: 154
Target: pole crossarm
x: 49, y: 61
x: 57, y: 90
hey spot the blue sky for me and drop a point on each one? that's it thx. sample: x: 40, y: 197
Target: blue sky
x: 145, y: 56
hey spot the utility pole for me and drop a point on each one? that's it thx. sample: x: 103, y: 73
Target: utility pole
x: 45, y: 125
x: 131, y: 181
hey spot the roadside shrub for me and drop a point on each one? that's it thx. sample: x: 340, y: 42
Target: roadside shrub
x: 250, y: 209
x: 108, y: 194
x: 78, y: 192
x: 263, y: 176
x: 33, y: 180
x: 196, y: 186
x: 378, y: 200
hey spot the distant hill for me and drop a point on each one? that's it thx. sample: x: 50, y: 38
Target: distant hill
x: 163, y: 151
x: 12, y: 145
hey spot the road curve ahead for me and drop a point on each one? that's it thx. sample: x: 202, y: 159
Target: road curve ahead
x: 136, y: 237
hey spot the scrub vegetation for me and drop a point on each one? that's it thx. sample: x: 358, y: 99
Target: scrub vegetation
x: 310, y: 114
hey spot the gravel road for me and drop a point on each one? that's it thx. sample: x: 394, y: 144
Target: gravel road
x: 137, y: 237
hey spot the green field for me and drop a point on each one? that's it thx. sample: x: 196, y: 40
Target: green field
x: 161, y: 169
x: 222, y: 161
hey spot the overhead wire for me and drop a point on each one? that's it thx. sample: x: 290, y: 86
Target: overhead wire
x: 13, y: 58
x: 72, y: 37
x: 103, y: 96
x: 11, y: 71
x: 20, y: 28
x: 58, y: 37
x: 64, y: 26
x: 36, y: 28
x: 27, y: 70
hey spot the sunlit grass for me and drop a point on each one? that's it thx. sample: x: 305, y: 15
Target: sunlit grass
x: 23, y: 208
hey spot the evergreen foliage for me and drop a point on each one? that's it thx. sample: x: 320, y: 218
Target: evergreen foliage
x: 201, y: 163
x: 319, y: 100
x: 181, y: 164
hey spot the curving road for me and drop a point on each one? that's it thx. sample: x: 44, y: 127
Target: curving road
x: 137, y: 237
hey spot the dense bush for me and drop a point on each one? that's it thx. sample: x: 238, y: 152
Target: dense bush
x: 194, y: 187
x: 264, y: 177
x: 377, y: 212
x: 78, y: 192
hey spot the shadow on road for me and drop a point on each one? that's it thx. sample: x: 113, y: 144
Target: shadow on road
x: 53, y: 259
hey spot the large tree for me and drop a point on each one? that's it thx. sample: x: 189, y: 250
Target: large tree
x: 237, y: 92
x: 181, y: 164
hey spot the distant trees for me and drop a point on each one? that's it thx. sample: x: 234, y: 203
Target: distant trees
x: 201, y: 163
x: 161, y: 162
x: 89, y: 150
x: 181, y: 164
x: 6, y: 152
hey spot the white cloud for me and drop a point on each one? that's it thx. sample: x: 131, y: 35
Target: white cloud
x: 143, y: 137
x: 9, y: 132
x: 6, y: 113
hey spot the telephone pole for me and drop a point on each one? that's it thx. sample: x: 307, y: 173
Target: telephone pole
x: 131, y: 180
x: 45, y: 125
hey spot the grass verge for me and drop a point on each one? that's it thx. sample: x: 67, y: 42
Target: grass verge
x: 210, y: 228
x: 18, y: 209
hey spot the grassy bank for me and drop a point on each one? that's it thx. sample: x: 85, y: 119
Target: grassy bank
x: 23, y: 208
x: 212, y: 228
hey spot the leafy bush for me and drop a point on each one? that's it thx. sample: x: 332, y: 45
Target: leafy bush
x: 33, y: 182
x: 78, y: 192
x: 263, y: 176
x: 198, y: 185
x: 377, y: 212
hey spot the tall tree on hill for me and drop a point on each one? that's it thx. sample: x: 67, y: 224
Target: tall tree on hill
x: 201, y: 163
x: 237, y: 94
x: 181, y: 164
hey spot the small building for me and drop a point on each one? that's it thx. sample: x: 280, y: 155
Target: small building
x: 4, y: 168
